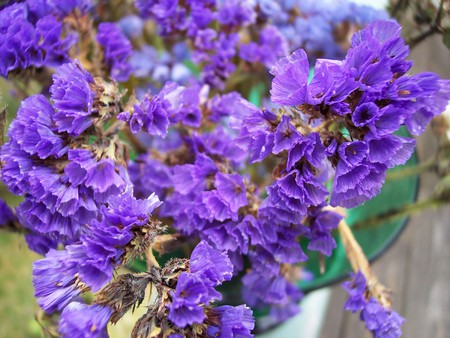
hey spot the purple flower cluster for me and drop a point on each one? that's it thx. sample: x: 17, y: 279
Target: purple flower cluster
x: 117, y: 50
x: 208, y: 269
x: 84, y: 321
x: 205, y: 199
x: 371, y: 93
x: 247, y: 184
x: 150, y: 114
x: 322, y: 28
x: 171, y: 105
x: 234, y: 321
x: 64, y: 186
x: 381, y: 321
x: 321, y: 223
x: 172, y: 16
x: 73, y: 99
x: 149, y: 63
x: 215, y: 48
x: 60, y: 9
x: 62, y: 275
x: 32, y: 36
x: 260, y: 31
x: 195, y: 290
x: 272, y: 45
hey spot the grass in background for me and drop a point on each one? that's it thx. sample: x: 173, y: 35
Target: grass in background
x: 17, y: 303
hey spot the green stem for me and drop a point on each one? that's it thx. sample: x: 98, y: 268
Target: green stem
x: 394, y: 214
x: 411, y: 170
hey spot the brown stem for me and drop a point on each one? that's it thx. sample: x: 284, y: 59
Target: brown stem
x: 14, y: 227
x: 435, y: 27
x: 359, y: 262
x: 398, y: 6
x: 412, y: 170
x: 394, y: 214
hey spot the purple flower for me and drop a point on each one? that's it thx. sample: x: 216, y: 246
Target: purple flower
x: 54, y: 280
x: 65, y: 8
x: 169, y: 16
x: 365, y: 113
x: 220, y: 105
x: 235, y: 321
x: 281, y: 312
x: 384, y: 38
x: 380, y: 321
x: 219, y: 65
x: 48, y: 41
x: 190, y: 177
x: 201, y: 16
x: 131, y: 26
x: 309, y: 148
x: 289, y: 86
x: 144, y: 7
x: 31, y: 39
x: 210, y: 264
x: 353, y: 186
x: 104, y: 246
x: 194, y: 290
x: 264, y: 283
x: 72, y: 98
x: 214, y: 207
x: 190, y: 292
x: 117, y: 50
x: 57, y: 277
x: 372, y: 76
x: 63, y: 187
x: 255, y: 128
x: 434, y: 97
x: 84, y: 321
x: 102, y: 177
x: 228, y: 236
x: 149, y: 175
x: 6, y: 214
x: 236, y: 13
x: 259, y: 232
x: 150, y: 114
x: 192, y: 98
x: 322, y: 223
x: 204, y: 39
x: 271, y: 47
x: 356, y: 289
x: 34, y: 129
x: 182, y: 103
x: 286, y: 136
x: 232, y: 190
x: 219, y: 142
x: 330, y: 84
x: 296, y: 191
x: 39, y: 243
x: 390, y: 150
x: 362, y: 168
